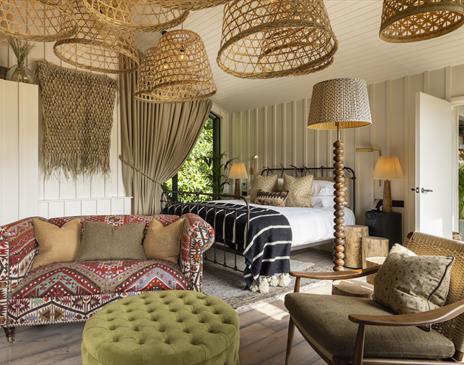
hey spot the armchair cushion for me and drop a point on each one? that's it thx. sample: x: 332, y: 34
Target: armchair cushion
x: 324, y: 320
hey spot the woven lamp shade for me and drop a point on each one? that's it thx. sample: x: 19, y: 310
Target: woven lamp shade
x: 35, y: 20
x: 144, y: 15
x: 266, y: 39
x: 190, y: 4
x: 176, y: 70
x: 97, y: 46
x: 339, y: 102
x: 412, y: 20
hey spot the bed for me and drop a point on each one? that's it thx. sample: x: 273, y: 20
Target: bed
x: 264, y: 235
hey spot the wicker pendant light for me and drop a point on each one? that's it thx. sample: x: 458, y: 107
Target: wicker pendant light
x: 176, y: 70
x: 275, y: 38
x: 410, y: 21
x: 96, y: 46
x: 144, y: 15
x: 190, y: 4
x: 34, y: 20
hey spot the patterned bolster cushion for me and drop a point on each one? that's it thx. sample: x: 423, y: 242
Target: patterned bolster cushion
x: 276, y: 199
x: 197, y: 237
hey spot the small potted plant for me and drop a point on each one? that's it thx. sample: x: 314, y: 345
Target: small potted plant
x: 20, y: 72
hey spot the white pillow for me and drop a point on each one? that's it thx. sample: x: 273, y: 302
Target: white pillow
x: 321, y: 201
x: 322, y: 188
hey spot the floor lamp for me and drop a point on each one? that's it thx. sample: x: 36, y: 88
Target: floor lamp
x: 337, y: 104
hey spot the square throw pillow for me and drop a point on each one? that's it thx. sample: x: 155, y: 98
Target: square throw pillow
x: 407, y: 283
x: 263, y: 183
x: 299, y: 190
x: 101, y: 241
x: 56, y: 244
x: 323, y: 185
x: 276, y: 198
x: 163, y: 242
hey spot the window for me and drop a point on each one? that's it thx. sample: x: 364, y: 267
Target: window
x: 202, y: 169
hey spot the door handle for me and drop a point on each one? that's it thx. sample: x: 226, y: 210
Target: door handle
x: 424, y: 191
x: 416, y: 190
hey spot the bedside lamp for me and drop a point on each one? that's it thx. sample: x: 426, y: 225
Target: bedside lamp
x: 387, y: 168
x: 238, y: 172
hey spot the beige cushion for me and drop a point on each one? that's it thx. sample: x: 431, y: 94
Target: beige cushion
x: 56, y: 244
x: 101, y: 241
x: 263, y: 183
x: 407, y: 283
x: 324, y: 318
x: 299, y: 190
x: 163, y: 242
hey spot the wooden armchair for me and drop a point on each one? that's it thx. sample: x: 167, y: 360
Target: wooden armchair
x: 349, y: 330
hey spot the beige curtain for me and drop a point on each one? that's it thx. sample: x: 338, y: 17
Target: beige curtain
x: 156, y: 139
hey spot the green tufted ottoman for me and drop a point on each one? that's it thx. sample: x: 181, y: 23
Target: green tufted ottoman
x: 163, y: 328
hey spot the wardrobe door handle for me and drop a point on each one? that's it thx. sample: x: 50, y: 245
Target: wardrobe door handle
x: 425, y: 191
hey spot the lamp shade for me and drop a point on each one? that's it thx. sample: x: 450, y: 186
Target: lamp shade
x: 388, y: 168
x: 340, y: 103
x: 238, y: 171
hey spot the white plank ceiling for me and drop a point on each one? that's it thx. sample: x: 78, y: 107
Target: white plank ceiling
x: 361, y: 54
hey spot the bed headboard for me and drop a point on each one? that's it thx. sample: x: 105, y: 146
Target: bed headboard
x: 321, y: 171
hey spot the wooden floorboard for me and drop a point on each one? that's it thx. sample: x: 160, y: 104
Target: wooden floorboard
x: 263, y: 334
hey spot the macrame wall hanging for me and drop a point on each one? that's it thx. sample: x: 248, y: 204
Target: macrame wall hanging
x: 77, y: 118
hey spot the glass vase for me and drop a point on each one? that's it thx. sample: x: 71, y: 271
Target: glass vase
x: 20, y: 73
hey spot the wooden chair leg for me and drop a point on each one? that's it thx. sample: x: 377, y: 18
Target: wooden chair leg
x: 9, y: 333
x: 358, y: 355
x: 291, y: 332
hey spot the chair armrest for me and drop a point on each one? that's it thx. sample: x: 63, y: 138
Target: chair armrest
x: 434, y: 316
x: 18, y: 248
x: 336, y: 275
x: 198, y: 236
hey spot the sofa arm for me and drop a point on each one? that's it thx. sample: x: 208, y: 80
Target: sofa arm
x: 18, y: 248
x: 197, y: 237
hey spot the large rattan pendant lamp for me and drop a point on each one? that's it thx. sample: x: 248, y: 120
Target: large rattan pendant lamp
x: 190, y: 4
x: 176, y: 70
x: 96, y: 46
x: 275, y: 38
x: 35, y: 20
x: 337, y: 104
x: 413, y: 20
x: 142, y: 15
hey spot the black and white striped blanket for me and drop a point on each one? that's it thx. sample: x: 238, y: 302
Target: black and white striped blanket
x: 265, y: 245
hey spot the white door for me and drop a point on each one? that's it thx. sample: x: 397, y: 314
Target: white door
x: 434, y: 166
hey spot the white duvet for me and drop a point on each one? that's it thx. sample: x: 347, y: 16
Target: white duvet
x: 309, y: 225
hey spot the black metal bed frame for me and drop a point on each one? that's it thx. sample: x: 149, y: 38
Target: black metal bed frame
x: 204, y: 200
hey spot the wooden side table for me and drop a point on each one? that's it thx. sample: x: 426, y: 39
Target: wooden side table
x: 353, y: 241
x: 371, y: 262
x: 373, y: 247
x: 386, y: 225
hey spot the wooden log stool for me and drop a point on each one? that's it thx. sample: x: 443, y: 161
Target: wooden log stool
x: 353, y: 245
x: 373, y: 247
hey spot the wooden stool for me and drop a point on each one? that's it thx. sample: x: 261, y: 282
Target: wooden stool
x: 373, y: 247
x: 371, y: 262
x: 352, y: 288
x: 353, y: 242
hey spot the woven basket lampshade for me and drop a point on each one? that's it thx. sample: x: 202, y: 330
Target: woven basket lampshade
x: 35, y: 20
x: 143, y: 15
x: 176, y: 70
x: 411, y: 20
x: 190, y: 4
x: 339, y: 102
x: 275, y: 38
x: 97, y: 46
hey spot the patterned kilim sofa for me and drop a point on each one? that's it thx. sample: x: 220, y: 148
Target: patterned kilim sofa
x: 71, y: 292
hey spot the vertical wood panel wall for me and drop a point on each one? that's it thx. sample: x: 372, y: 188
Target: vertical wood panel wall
x: 278, y: 135
x: 57, y: 195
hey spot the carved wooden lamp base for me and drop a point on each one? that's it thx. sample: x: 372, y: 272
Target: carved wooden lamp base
x: 339, y: 205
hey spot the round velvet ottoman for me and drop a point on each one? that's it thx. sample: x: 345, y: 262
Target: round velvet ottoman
x: 163, y: 328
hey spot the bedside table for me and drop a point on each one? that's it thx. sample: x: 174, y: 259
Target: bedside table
x: 388, y: 225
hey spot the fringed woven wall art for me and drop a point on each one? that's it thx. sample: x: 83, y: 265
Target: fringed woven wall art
x: 77, y: 118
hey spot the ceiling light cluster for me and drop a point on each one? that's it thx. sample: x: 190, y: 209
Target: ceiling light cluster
x: 260, y: 38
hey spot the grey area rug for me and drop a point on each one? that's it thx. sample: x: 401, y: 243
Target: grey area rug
x: 229, y: 285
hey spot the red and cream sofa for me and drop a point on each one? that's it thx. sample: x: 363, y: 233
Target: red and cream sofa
x: 72, y: 292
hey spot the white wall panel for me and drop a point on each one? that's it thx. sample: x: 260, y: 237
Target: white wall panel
x: 284, y: 139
